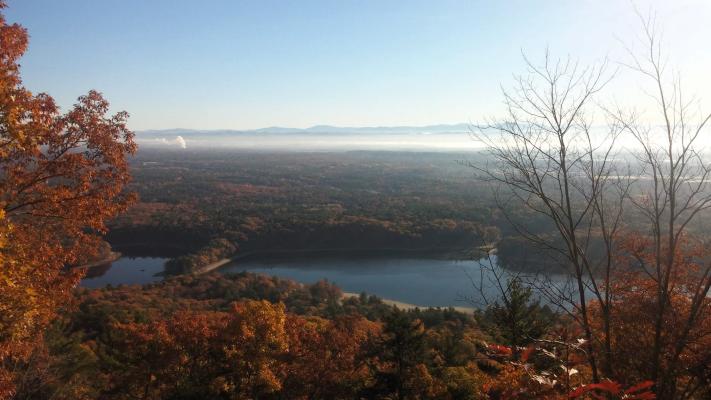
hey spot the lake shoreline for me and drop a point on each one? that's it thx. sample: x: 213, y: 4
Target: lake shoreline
x: 453, y: 254
x: 416, y: 278
x: 113, y: 256
x: 435, y: 253
x: 408, y: 307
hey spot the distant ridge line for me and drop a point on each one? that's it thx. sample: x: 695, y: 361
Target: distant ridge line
x: 316, y: 129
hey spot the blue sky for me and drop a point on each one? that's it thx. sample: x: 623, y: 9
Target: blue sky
x: 220, y: 64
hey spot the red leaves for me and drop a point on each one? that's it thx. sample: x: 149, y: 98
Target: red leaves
x: 606, y: 386
x: 636, y: 392
x: 500, y: 350
x: 526, y: 354
x: 641, y: 391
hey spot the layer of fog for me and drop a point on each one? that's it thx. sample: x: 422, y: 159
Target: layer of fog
x: 442, y: 138
x: 318, y: 142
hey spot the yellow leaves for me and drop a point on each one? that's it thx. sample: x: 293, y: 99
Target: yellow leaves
x: 257, y: 330
x: 267, y: 380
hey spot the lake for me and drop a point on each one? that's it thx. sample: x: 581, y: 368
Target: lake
x: 125, y: 270
x: 423, y: 282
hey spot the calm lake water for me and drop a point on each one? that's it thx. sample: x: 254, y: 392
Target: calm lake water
x: 423, y: 282
x: 125, y: 270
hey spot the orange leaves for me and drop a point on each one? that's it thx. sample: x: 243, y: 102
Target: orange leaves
x: 61, y: 178
x: 657, y: 303
x: 325, y: 356
x: 229, y: 354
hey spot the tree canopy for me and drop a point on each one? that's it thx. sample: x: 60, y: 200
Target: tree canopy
x: 61, y: 177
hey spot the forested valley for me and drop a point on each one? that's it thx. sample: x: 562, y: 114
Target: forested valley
x: 202, y: 205
x: 545, y: 192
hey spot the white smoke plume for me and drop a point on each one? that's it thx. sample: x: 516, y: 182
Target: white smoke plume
x: 170, y: 142
x: 181, y: 142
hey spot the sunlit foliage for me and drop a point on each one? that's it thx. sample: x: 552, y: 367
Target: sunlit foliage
x: 61, y: 178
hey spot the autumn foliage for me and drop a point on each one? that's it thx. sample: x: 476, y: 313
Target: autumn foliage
x: 61, y: 177
x: 215, y: 336
x: 686, y: 317
x: 223, y: 354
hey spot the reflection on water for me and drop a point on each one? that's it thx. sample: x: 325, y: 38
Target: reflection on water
x: 423, y: 282
x: 125, y: 270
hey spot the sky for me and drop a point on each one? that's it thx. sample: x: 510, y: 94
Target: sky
x: 227, y: 64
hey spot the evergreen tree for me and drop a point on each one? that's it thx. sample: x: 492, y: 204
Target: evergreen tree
x: 517, y: 320
x: 400, y: 357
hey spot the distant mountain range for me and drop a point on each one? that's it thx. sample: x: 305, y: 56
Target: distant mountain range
x: 318, y: 129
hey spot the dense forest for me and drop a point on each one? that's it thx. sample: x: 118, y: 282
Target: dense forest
x: 199, y: 206
x: 633, y: 320
x: 252, y: 336
x: 212, y: 204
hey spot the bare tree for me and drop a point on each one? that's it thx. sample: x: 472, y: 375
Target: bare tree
x: 548, y: 156
x: 676, y: 192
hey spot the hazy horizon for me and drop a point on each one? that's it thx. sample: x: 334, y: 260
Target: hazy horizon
x: 462, y: 137
x: 247, y: 65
